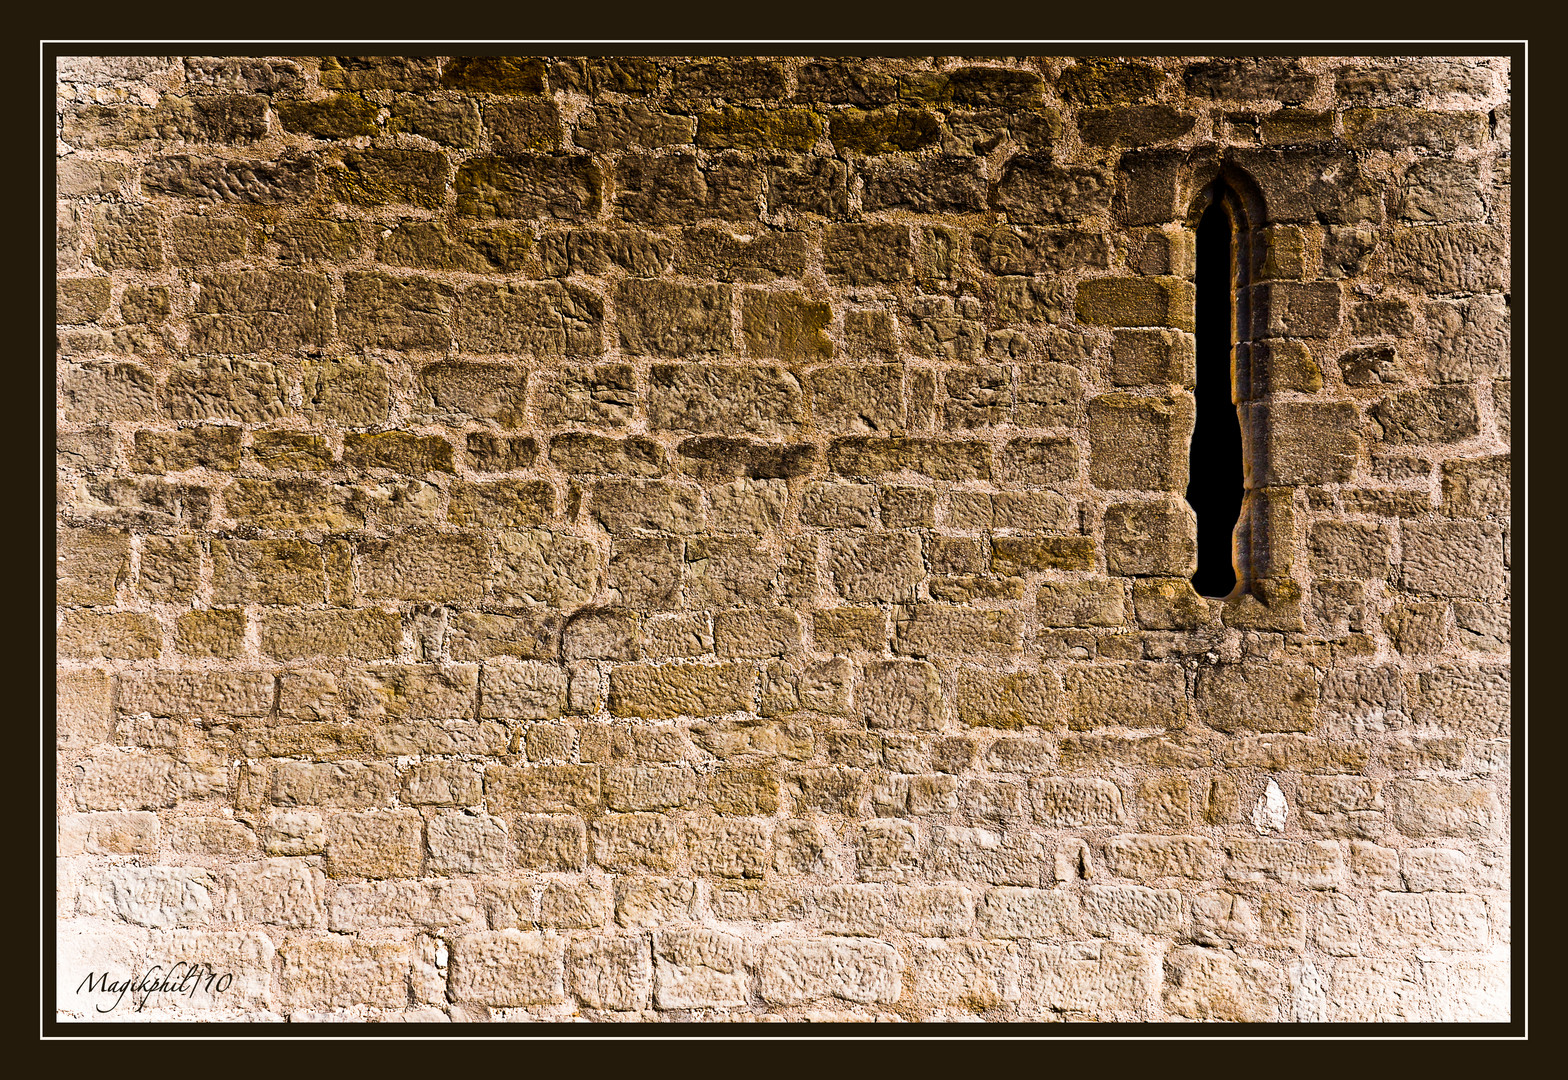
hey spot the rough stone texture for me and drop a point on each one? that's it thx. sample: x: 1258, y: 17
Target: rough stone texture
x: 657, y: 538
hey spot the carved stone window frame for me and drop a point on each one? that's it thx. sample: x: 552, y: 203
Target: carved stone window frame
x: 1291, y: 439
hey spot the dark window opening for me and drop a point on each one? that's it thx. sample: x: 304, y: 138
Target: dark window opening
x: 1215, y: 480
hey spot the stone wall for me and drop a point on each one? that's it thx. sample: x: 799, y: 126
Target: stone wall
x: 667, y: 538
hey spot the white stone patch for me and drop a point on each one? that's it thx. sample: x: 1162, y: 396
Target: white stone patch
x: 1269, y: 814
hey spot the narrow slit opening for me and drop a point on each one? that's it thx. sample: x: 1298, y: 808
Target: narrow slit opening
x: 1216, y: 477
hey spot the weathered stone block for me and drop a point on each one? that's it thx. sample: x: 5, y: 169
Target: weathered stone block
x: 876, y: 910
x: 785, y: 326
x: 867, y: 254
x: 1036, y: 190
x: 1451, y: 258
x: 1440, y: 414
x: 1477, y: 487
x: 1073, y: 803
x: 1082, y: 603
x: 1258, y: 697
x: 796, y: 971
x: 1296, y: 310
x: 1151, y: 538
x: 375, y: 844
x: 1146, y: 301
x: 1135, y: 693
x: 1139, y: 443
x: 261, y: 183
x: 353, y: 391
x: 1048, y: 461
x: 1315, y: 864
x: 698, y: 969
x: 539, y: 567
x: 681, y: 689
x: 938, y: 630
x: 529, y: 320
x: 610, y: 972
x: 1453, y: 558
x: 941, y: 184
x: 395, y: 312
x: 507, y: 968
x: 1466, y: 809
x: 1350, y: 549
x: 876, y: 565
x: 445, y: 566
x: 1207, y: 985
x: 900, y: 694
x: 765, y: 401
x: 1008, y: 700
x: 541, y: 788
x: 1106, y: 981
x: 676, y: 321
x: 1301, y: 443
x: 1016, y: 555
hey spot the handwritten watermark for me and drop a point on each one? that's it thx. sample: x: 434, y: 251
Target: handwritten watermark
x: 182, y: 979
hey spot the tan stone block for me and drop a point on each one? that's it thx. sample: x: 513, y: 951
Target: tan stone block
x: 875, y: 910
x: 522, y: 690
x: 507, y: 968
x: 643, y: 901
x: 387, y: 844
x: 671, y: 690
x: 120, y: 635
x: 610, y: 972
x: 338, y: 972
x: 971, y: 976
x: 1095, y: 981
x: 213, y: 632
x: 541, y: 788
x: 1314, y: 864
x: 247, y: 956
x: 1115, y: 910
x: 550, y: 843
x: 574, y: 905
x: 468, y: 844
x: 366, y: 634
x: 728, y: 847
x: 276, y: 892
x: 119, y: 781
x: 163, y: 896
x: 900, y: 694
x: 1134, y: 693
x: 433, y: 904
x: 1008, y: 700
x: 346, y: 783
x: 698, y: 968
x: 1028, y: 913
x: 267, y: 572
x: 1150, y: 858
x: 435, y: 566
x: 127, y: 833
x: 1205, y: 984
x: 90, y: 564
x: 83, y: 707
x: 1070, y: 802
x: 1258, y: 697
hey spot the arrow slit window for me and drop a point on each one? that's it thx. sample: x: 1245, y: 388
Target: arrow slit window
x: 1216, y: 476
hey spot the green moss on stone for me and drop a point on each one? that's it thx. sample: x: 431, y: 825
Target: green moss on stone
x: 884, y: 131
x: 496, y: 75
x: 731, y: 128
x: 341, y: 116
x: 1104, y: 81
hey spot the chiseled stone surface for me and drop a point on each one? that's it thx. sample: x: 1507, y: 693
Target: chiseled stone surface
x: 704, y: 538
